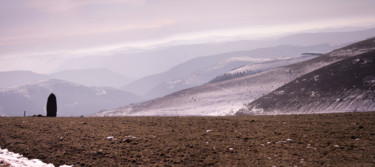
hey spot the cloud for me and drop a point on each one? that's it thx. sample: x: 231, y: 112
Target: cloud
x: 75, y: 5
x: 79, y: 27
x: 76, y: 31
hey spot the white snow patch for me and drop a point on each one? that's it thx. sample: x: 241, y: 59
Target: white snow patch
x: 129, y: 136
x: 174, y: 82
x: 110, y: 138
x: 101, y: 92
x: 281, y: 92
x: 17, y: 160
x: 314, y: 94
x: 266, y: 64
x: 316, y: 77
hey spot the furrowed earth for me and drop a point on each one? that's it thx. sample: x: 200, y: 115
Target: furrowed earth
x: 342, y: 139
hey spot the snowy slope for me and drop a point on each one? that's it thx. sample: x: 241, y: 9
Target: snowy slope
x: 251, y: 69
x: 203, y: 69
x: 347, y: 85
x: 72, y: 99
x: 227, y: 97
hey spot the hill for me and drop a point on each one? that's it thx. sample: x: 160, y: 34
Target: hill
x: 347, y: 85
x: 92, y: 77
x: 12, y: 78
x: 164, y: 58
x: 203, y: 69
x: 72, y: 99
x: 227, y: 97
x: 255, y: 68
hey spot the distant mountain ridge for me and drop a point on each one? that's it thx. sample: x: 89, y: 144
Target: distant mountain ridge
x: 88, y: 77
x: 11, y: 78
x: 72, y: 99
x: 203, y: 69
x: 164, y: 58
x: 93, y: 77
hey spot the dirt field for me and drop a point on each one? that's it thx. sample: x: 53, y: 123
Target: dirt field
x: 300, y: 140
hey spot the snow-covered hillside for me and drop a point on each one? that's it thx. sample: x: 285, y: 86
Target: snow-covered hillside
x: 203, y: 69
x: 72, y: 99
x: 227, y: 97
x: 251, y: 69
x: 347, y: 85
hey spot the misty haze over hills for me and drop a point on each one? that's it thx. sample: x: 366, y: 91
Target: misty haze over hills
x: 203, y: 98
x: 227, y: 97
x: 72, y: 99
x: 93, y: 77
x: 148, y: 62
x: 88, y: 77
x: 203, y: 69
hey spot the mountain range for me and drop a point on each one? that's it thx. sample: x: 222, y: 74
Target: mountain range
x: 72, y: 99
x: 145, y: 62
x: 232, y: 96
x: 203, y: 69
x: 220, y: 84
x: 89, y: 77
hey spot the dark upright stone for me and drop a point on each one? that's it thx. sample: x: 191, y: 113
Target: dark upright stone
x: 51, y: 106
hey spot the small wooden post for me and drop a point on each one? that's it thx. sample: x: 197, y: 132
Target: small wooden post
x: 24, y: 113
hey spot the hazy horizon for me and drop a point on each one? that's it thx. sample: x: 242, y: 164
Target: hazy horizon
x: 41, y: 35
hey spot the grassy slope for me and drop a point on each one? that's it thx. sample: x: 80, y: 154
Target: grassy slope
x: 239, y: 141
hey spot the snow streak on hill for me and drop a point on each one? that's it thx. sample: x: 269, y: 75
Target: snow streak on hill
x: 251, y: 69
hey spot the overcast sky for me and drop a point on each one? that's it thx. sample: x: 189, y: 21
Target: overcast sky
x: 36, y: 30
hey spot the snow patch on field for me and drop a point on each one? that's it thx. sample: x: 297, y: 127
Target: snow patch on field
x: 17, y: 160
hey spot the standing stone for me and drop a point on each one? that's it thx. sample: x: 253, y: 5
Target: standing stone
x: 51, y: 106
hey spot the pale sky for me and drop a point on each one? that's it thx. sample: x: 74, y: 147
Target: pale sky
x: 59, y: 30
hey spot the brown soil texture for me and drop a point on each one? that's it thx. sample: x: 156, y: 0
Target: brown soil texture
x: 345, y: 139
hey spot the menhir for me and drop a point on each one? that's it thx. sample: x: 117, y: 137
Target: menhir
x: 51, y: 106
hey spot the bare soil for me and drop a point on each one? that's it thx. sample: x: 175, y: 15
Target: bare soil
x: 345, y: 139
